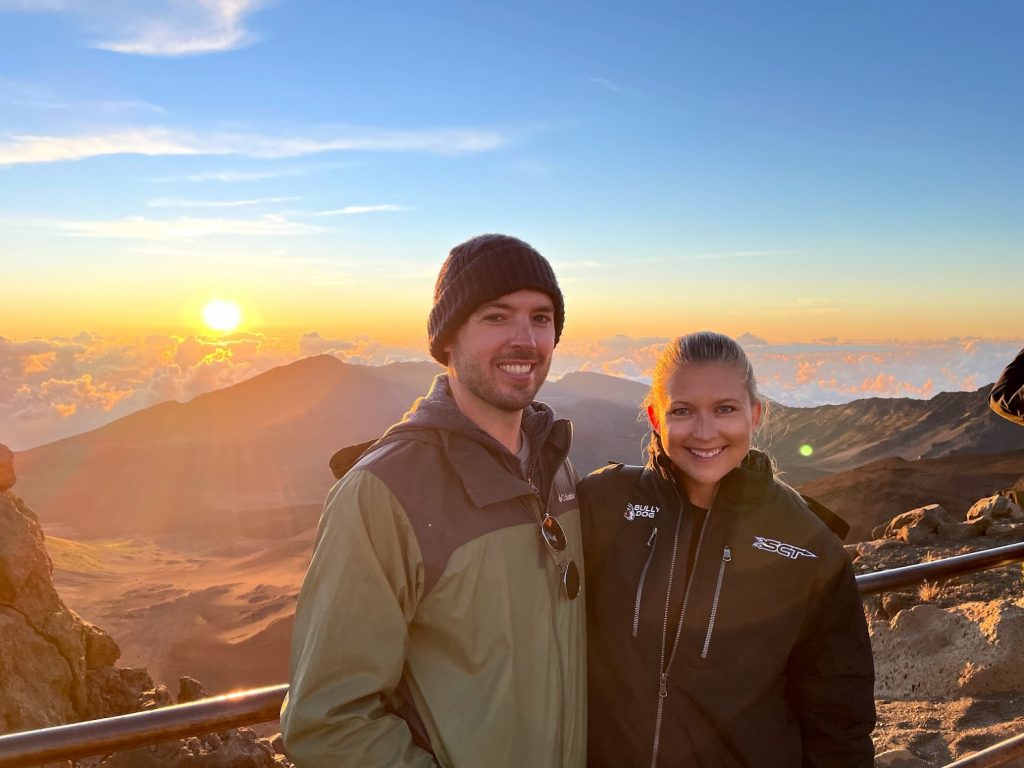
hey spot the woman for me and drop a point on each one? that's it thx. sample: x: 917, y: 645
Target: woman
x: 724, y: 624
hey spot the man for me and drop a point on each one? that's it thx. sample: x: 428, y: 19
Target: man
x: 1007, y: 398
x: 439, y: 622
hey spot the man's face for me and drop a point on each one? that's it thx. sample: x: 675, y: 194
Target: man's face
x: 500, y: 356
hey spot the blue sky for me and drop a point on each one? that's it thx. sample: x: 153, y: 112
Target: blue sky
x: 801, y: 171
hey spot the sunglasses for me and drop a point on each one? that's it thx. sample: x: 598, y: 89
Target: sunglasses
x: 554, y: 538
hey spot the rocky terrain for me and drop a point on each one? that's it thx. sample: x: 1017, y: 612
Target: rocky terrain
x: 56, y: 668
x: 947, y: 654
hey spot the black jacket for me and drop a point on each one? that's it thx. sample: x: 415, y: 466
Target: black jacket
x: 1007, y: 398
x: 774, y: 663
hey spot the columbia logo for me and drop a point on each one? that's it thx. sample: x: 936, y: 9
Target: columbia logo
x: 563, y: 497
x: 781, y: 548
x: 633, y: 511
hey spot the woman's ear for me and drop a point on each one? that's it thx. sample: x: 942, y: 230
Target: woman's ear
x: 755, y: 414
x: 652, y: 417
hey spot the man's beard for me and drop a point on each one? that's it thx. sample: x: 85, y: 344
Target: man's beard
x: 482, y: 380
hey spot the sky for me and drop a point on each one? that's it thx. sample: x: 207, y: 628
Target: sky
x: 842, y: 182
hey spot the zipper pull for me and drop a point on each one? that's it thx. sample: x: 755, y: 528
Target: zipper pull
x: 727, y: 554
x: 663, y: 686
x: 652, y: 537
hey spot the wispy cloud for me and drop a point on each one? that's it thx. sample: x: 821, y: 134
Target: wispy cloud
x: 22, y: 149
x: 40, y: 97
x: 164, y: 202
x: 183, y: 228
x: 608, y: 84
x: 263, y: 174
x: 350, y: 210
x: 156, y: 27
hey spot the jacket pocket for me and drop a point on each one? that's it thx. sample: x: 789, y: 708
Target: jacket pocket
x: 726, y: 559
x: 652, y: 540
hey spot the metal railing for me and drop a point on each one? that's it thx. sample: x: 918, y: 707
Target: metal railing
x: 113, y: 734
x: 260, y: 705
x: 897, y: 578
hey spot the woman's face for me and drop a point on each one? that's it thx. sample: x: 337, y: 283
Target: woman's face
x: 706, y: 420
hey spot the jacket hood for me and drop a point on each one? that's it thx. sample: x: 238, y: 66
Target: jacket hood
x: 438, y: 412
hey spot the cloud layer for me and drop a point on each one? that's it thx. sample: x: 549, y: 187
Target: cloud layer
x: 53, y: 388
x: 22, y: 149
x: 156, y: 27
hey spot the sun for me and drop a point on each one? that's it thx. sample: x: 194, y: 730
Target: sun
x: 222, y: 315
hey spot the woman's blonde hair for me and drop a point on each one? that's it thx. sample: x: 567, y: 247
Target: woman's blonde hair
x: 696, y: 348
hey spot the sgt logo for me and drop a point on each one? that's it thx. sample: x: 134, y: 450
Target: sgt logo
x: 781, y: 548
x: 634, y: 511
x: 564, y: 497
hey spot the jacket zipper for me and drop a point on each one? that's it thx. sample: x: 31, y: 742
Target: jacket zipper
x: 665, y: 667
x: 560, y: 745
x: 651, y: 543
x: 726, y: 558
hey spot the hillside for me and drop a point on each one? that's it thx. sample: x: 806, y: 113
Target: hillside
x: 254, y: 455
x: 870, y: 495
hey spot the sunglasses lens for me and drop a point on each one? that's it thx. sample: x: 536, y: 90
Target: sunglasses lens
x: 553, y: 534
x: 571, y: 581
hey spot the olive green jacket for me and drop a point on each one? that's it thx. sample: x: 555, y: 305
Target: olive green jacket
x: 431, y: 628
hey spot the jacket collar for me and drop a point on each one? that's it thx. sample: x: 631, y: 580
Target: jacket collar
x: 488, y: 471
x: 744, y: 484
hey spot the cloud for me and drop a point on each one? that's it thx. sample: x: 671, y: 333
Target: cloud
x: 607, y: 84
x: 156, y: 27
x: 35, y: 96
x: 155, y: 141
x: 186, y: 228
x: 237, y: 177
x: 55, y: 387
x: 164, y: 202
x: 350, y: 210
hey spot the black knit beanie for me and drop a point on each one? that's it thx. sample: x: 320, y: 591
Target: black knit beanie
x: 482, y: 269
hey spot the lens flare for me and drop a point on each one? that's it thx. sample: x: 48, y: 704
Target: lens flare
x: 806, y: 450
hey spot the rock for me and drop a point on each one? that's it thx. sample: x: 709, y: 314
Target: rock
x: 231, y: 749
x: 54, y: 667
x: 899, y: 758
x: 156, y: 698
x: 919, y: 526
x: 894, y: 602
x: 100, y: 648
x: 996, y: 508
x: 43, y: 643
x: 7, y: 476
x: 277, y: 743
x: 930, y: 652
x: 115, y: 691
x: 190, y: 689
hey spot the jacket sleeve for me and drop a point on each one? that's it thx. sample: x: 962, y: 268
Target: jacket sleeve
x: 830, y: 677
x: 1007, y: 398
x: 349, y: 642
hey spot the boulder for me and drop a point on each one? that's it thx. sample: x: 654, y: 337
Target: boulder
x: 7, y: 476
x: 55, y: 668
x: 190, y: 689
x: 919, y: 526
x: 931, y: 652
x: 997, y: 509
